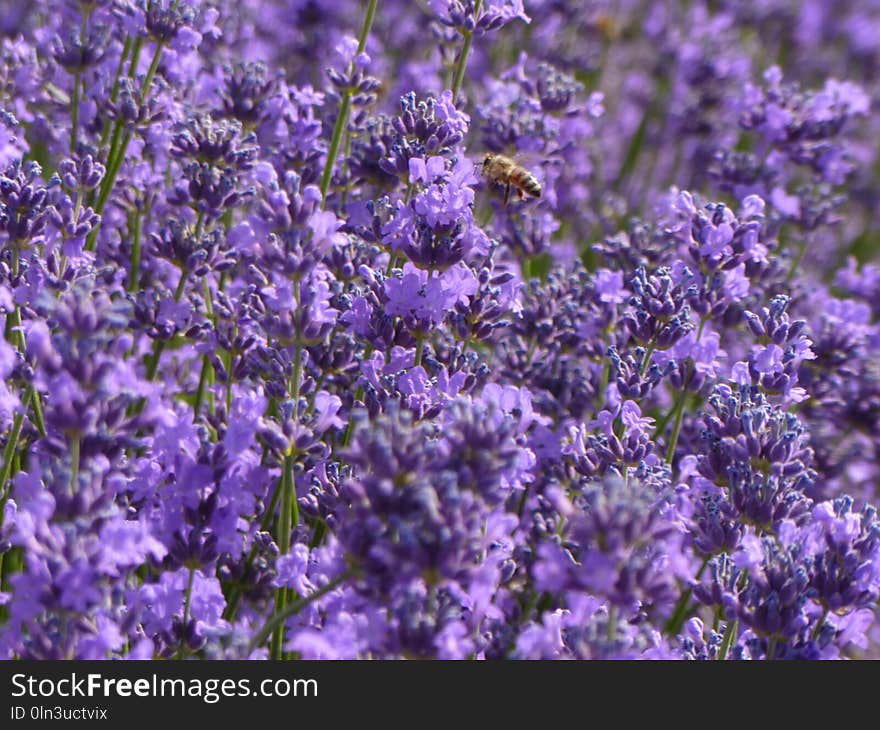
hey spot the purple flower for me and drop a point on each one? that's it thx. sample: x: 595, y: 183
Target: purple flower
x: 423, y: 296
x: 271, y: 336
x: 609, y: 284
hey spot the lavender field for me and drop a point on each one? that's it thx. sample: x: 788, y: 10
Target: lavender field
x: 298, y: 364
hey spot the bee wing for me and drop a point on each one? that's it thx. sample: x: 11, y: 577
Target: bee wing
x: 529, y: 161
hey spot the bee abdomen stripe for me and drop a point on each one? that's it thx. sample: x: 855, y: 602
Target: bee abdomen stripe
x: 531, y: 185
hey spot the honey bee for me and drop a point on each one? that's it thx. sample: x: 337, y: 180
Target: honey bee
x: 504, y: 171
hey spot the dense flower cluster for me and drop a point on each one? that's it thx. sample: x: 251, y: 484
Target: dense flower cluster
x: 285, y: 375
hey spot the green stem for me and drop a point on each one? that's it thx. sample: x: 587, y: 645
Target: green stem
x: 265, y: 524
x: 154, y: 360
x: 678, y: 409
x: 294, y: 608
x: 114, y: 92
x: 33, y: 393
x: 115, y: 139
x: 344, y: 109
x: 74, y: 99
x: 187, y: 599
x: 730, y: 635
x: 368, y: 23
x: 341, y: 120
x: 200, y: 225
x: 648, y: 352
x: 39, y: 418
x: 209, y: 300
x: 203, y: 381
x: 159, y: 347
x: 15, y: 324
x: 75, y: 445
x: 118, y: 146
x: 295, y: 379
x: 134, y: 274
x: 349, y: 429
x: 318, y: 534
x: 612, y: 623
x: 820, y: 624
x: 117, y: 157
x: 392, y: 263
x: 465, y: 52
x: 796, y: 263
x: 676, y: 426
x: 8, y: 453
x: 522, y: 501
x: 637, y: 142
x: 205, y: 376
x: 290, y: 510
x: 673, y: 626
x: 288, y: 499
x: 419, y: 348
x: 74, y: 114
x: 229, y: 365
x: 136, y: 56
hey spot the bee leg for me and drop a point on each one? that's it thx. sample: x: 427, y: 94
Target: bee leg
x: 506, y: 193
x: 521, y: 194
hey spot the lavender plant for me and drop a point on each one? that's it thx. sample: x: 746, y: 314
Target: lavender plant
x: 286, y: 376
